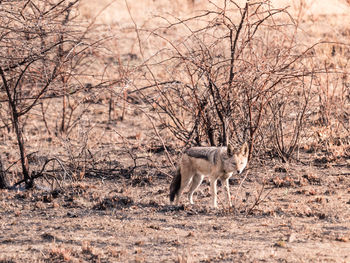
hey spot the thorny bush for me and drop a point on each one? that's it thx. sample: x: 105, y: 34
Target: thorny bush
x: 234, y: 72
x: 45, y: 53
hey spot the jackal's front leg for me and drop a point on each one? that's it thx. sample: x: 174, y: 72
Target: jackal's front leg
x: 227, y: 186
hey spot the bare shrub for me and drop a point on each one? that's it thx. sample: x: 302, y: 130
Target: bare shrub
x: 236, y: 72
x: 332, y: 125
x: 222, y: 73
x: 289, y: 110
x: 46, y: 55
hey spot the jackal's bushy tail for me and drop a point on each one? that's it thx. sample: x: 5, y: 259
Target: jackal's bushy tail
x: 175, y: 185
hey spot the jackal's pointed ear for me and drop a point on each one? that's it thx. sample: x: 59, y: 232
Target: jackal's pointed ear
x: 230, y: 150
x: 245, y: 149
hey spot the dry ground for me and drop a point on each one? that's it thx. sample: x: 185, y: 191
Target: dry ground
x: 122, y: 213
x: 303, y: 217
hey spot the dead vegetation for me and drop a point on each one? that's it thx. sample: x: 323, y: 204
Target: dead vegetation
x: 94, y: 115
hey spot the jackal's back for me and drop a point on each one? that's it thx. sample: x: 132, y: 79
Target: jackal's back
x: 210, y: 154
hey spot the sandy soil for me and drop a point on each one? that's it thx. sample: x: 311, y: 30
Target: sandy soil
x: 303, y: 216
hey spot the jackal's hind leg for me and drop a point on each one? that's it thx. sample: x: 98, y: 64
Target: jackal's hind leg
x: 184, y: 182
x: 196, y: 181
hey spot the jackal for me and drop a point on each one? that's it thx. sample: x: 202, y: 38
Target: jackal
x: 213, y: 162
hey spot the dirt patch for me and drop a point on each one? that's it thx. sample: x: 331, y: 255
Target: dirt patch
x: 303, y: 221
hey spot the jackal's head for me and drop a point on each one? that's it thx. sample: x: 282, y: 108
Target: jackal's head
x: 238, y: 158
